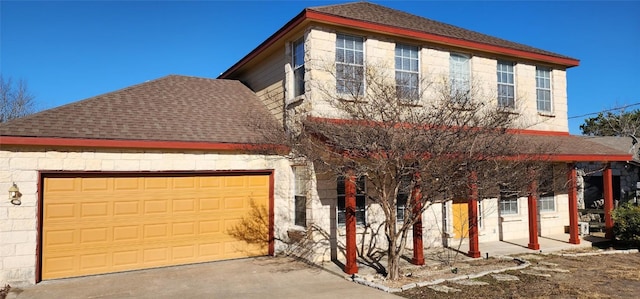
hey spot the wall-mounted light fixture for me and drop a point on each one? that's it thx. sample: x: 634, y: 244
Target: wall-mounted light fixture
x: 15, y: 195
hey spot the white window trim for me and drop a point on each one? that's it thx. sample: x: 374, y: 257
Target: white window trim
x: 294, y: 68
x: 553, y: 199
x: 502, y: 214
x: 515, y: 88
x: 417, y: 72
x: 470, y: 64
x: 551, y: 100
x: 303, y: 192
x: 364, y: 62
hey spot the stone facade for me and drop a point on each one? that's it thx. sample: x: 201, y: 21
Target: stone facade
x: 434, y: 68
x: 18, y: 228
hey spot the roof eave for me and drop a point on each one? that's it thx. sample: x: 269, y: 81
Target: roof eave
x: 328, y: 18
x: 293, y: 23
x: 309, y: 15
x: 134, y: 144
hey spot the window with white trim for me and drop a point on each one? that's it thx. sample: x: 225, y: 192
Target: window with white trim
x: 543, y: 89
x: 506, y: 85
x: 298, y: 67
x: 508, y: 203
x: 547, y: 202
x: 546, y: 197
x: 349, y: 64
x: 459, y: 77
x: 407, y: 73
x: 300, y: 195
x: 360, y: 200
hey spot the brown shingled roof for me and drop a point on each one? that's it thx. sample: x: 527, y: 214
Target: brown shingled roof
x: 572, y: 148
x: 373, y: 13
x: 172, y: 108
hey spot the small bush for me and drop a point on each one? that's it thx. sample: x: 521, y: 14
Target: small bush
x: 627, y: 223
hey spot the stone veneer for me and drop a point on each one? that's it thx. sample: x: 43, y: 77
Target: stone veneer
x: 18, y: 224
x: 434, y: 67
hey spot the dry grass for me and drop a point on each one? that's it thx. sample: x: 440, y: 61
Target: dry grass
x: 599, y: 276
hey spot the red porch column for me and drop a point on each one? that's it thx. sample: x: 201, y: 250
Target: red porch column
x: 418, y: 247
x: 474, y: 247
x: 573, y: 204
x: 532, y: 201
x: 351, y: 266
x: 607, y: 178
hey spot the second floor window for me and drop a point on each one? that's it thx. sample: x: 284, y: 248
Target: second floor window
x: 407, y: 73
x: 506, y: 85
x: 543, y: 89
x: 298, y: 67
x: 459, y: 77
x: 349, y: 64
x: 360, y: 200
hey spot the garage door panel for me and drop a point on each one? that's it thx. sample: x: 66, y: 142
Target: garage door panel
x: 94, y: 209
x: 126, y: 233
x: 156, y: 183
x: 145, y: 222
x: 126, y: 208
x: 94, y: 184
x: 127, y: 184
x: 60, y: 211
x: 98, y: 235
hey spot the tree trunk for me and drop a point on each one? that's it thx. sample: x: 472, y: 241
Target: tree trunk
x: 393, y: 262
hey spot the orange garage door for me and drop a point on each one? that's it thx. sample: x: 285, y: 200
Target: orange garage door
x: 95, y: 225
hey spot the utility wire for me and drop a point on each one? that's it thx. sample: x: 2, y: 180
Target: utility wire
x: 612, y: 109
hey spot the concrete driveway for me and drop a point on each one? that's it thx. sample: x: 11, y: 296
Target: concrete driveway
x: 263, y: 277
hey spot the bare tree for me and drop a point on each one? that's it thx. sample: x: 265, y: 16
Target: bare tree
x: 15, y: 99
x: 438, y: 140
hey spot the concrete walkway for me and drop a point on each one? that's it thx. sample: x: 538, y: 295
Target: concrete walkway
x: 263, y: 277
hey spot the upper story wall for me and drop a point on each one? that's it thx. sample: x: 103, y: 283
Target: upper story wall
x: 434, y: 69
x: 266, y: 79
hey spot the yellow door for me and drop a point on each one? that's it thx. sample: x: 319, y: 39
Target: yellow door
x: 96, y: 225
x: 460, y: 219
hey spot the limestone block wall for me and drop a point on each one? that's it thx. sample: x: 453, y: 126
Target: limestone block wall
x: 18, y: 231
x: 434, y: 66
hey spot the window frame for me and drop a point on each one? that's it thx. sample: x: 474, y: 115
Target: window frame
x: 459, y: 77
x: 506, y: 101
x: 549, y: 200
x: 361, y: 195
x: 407, y: 65
x: 546, y: 190
x: 544, y: 87
x: 298, y: 66
x: 507, y: 201
x: 402, y: 199
x: 300, y: 195
x: 350, y: 57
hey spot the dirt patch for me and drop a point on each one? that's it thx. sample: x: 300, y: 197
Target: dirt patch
x: 591, y: 276
x: 437, y: 271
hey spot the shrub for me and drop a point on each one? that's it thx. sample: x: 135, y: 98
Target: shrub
x: 627, y: 223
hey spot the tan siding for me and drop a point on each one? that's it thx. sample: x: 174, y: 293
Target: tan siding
x: 266, y: 79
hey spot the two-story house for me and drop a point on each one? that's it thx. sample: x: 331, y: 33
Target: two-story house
x: 165, y: 172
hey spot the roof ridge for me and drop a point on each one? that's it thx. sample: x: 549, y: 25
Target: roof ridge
x: 109, y: 93
x: 505, y: 42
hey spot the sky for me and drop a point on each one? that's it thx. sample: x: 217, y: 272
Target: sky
x: 69, y: 51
